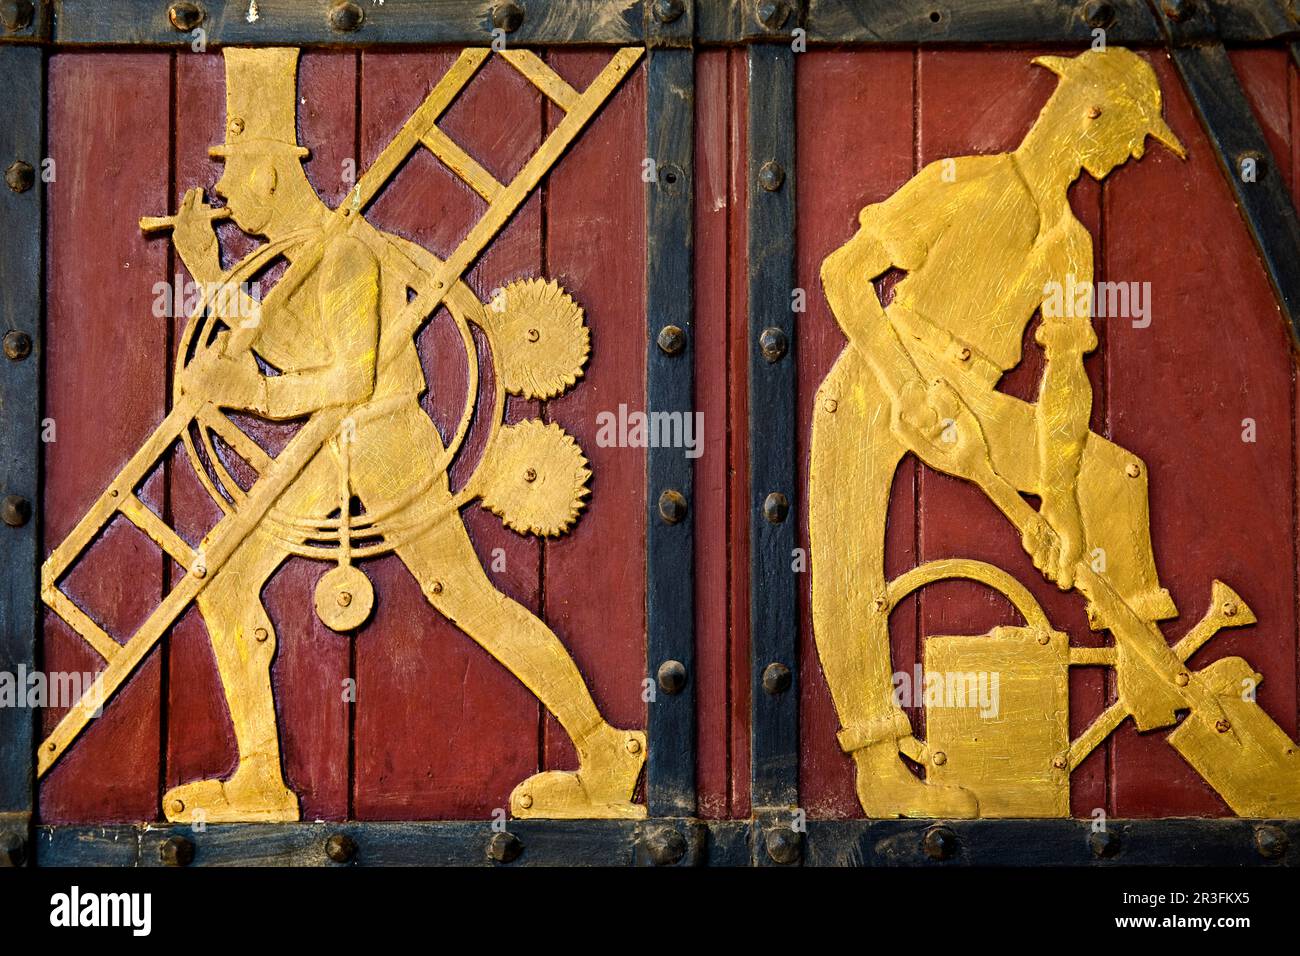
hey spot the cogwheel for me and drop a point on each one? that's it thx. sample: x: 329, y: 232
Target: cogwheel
x: 539, y: 341
x: 534, y: 478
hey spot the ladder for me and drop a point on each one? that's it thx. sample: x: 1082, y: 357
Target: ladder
x: 276, y: 474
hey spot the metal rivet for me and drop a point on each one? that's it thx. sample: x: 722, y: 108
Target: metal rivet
x: 1271, y: 841
x: 15, y: 511
x: 176, y: 807
x: 939, y: 843
x: 671, y: 340
x: 533, y: 335
x: 665, y: 846
x: 1181, y: 680
x: 964, y: 355
x: 1098, y: 14
x: 20, y: 176
x: 436, y: 587
x: 1044, y: 638
x: 1229, y: 608
x: 199, y: 571
x: 771, y: 176
x: 670, y: 177
x: 530, y: 475
x: 632, y: 745
x: 672, y: 506
x: 13, y: 849
x: 526, y: 801
x: 1222, y: 726
x: 776, y: 679
x: 340, y: 848
x: 346, y: 17
x: 261, y: 634
x: 176, y: 851
x: 772, y: 13
x: 784, y: 845
x: 1060, y: 763
x: 775, y: 507
x: 185, y: 16
x: 772, y: 342
x: 1178, y: 10
x: 830, y: 405
x: 671, y: 677
x: 666, y: 11
x: 939, y: 757
x: 1132, y: 469
x: 1103, y: 844
x: 344, y: 598
x: 505, y: 847
x: 507, y: 16
x: 17, y: 345
x: 17, y: 14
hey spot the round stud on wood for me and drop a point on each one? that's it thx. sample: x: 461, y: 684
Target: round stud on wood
x: 1271, y: 841
x: 773, y: 343
x: 1099, y: 14
x: 20, y: 176
x: 671, y: 340
x: 771, y: 176
x: 17, y: 14
x: 665, y: 846
x: 508, y: 17
x: 939, y: 843
x: 346, y: 17
x: 185, y: 16
x: 671, y: 677
x: 504, y: 847
x: 776, y: 507
x: 784, y: 845
x: 772, y: 13
x: 17, y: 345
x: 176, y: 851
x: 13, y: 849
x: 668, y: 11
x: 672, y: 506
x: 776, y: 679
x: 15, y: 511
x: 1103, y: 844
x: 340, y: 848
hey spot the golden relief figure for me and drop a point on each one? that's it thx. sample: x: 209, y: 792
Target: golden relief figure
x: 981, y: 240
x: 367, y: 473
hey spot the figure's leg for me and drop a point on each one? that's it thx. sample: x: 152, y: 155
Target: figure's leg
x: 243, y: 641
x: 854, y: 457
x: 444, y: 562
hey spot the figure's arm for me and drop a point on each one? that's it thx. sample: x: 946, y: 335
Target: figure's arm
x: 349, y: 304
x: 1063, y: 411
x: 847, y: 274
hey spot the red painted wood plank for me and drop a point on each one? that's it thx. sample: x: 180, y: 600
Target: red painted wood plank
x: 738, y: 348
x: 1214, y: 355
x: 594, y: 580
x: 442, y: 729
x: 108, y: 136
x: 855, y: 135
x: 709, y: 346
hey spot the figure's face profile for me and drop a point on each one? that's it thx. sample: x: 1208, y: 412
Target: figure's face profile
x: 248, y: 187
x: 1111, y: 138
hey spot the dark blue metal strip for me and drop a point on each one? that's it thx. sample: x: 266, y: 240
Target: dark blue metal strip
x: 774, y: 498
x: 670, y: 356
x: 21, y: 211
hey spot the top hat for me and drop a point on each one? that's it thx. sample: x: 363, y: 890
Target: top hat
x: 1121, y: 77
x: 261, y: 87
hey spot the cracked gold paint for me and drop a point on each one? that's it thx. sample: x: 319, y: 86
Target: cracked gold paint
x: 338, y: 329
x: 984, y: 241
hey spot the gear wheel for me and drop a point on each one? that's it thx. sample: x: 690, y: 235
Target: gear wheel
x: 534, y: 478
x: 539, y: 341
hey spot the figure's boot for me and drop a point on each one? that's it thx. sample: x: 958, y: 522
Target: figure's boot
x: 255, y: 793
x: 610, y: 762
x: 886, y: 787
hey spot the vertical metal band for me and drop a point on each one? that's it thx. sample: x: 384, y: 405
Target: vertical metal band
x: 21, y: 210
x: 773, y: 496
x: 670, y: 554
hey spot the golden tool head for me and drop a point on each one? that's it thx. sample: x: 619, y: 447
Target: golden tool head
x: 261, y: 91
x: 534, y: 478
x: 539, y: 341
x: 1115, y: 78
